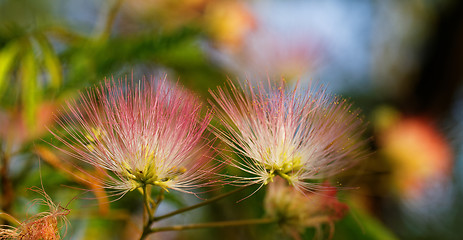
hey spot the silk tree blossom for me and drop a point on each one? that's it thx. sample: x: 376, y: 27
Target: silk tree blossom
x: 146, y: 133
x: 44, y: 225
x: 296, y: 212
x: 302, y: 136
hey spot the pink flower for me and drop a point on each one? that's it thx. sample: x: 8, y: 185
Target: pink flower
x: 145, y: 133
x: 302, y: 137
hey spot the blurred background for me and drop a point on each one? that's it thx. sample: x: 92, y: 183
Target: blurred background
x: 401, y: 62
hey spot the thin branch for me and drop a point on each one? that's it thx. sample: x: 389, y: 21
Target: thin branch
x: 199, y: 204
x: 150, y: 210
x: 215, y: 224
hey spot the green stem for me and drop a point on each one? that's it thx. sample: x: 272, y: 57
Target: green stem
x: 215, y: 224
x: 7, y: 217
x: 146, y: 200
x: 149, y: 210
x: 285, y: 176
x: 108, y: 22
x: 199, y: 204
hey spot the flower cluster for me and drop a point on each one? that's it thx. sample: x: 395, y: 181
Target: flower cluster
x: 301, y: 137
x: 145, y: 133
x: 151, y: 133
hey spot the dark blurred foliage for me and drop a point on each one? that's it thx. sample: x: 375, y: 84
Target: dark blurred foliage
x: 438, y: 81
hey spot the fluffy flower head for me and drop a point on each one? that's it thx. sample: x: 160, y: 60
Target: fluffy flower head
x: 43, y: 226
x: 295, y: 211
x: 145, y: 133
x: 301, y: 136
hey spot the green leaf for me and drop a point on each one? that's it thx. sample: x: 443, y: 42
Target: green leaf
x: 30, y: 89
x: 359, y: 224
x: 7, y: 57
x: 178, y: 51
x: 51, y: 61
